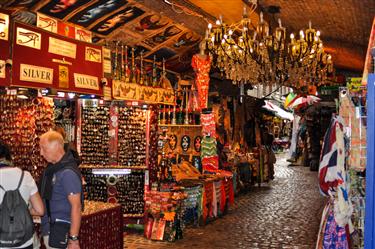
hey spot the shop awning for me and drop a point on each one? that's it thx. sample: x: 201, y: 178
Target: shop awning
x: 279, y: 112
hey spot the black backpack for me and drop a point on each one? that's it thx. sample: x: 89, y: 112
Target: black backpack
x: 16, y: 223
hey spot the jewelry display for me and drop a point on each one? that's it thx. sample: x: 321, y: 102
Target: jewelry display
x: 22, y: 121
x: 94, y: 136
x: 132, y: 136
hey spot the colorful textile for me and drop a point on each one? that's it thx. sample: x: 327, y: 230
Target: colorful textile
x: 208, y: 124
x: 335, y: 237
x: 202, y: 66
x: 332, y: 172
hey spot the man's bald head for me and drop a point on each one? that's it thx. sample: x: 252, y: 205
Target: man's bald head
x: 52, y: 146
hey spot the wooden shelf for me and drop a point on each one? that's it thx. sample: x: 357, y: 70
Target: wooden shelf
x: 133, y: 215
x: 170, y: 125
x: 91, y: 166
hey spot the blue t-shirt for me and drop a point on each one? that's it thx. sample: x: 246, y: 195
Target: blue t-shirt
x: 65, y: 182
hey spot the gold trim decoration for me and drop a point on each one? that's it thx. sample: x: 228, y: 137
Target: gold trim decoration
x: 135, y: 92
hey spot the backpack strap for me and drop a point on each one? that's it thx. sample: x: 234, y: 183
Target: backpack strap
x: 21, y: 179
x: 3, y: 188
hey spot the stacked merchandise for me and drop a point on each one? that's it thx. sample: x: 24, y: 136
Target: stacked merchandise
x: 22, y: 121
x: 210, y: 159
x: 123, y: 188
x: 193, y: 205
x: 166, y: 210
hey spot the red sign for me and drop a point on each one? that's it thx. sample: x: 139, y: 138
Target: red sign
x: 42, y: 59
x: 4, y: 47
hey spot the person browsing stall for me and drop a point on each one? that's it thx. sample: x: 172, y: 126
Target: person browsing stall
x: 11, y: 178
x: 61, y: 190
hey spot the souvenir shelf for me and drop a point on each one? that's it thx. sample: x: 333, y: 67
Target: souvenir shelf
x: 177, y: 125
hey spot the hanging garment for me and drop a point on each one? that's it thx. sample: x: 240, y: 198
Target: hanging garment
x: 202, y: 66
x: 208, y: 124
x: 333, y: 182
x: 293, y: 145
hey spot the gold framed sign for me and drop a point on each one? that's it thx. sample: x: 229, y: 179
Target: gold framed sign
x: 4, y: 26
x: 61, y: 47
x: 93, y: 54
x: 63, y: 76
x: 2, y: 69
x: 46, y: 23
x: 28, y: 38
x: 86, y: 81
x: 36, y: 74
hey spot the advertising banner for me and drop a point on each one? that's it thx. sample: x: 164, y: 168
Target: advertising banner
x: 4, y: 47
x: 45, y: 59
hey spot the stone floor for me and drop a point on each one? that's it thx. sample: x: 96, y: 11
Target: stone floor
x: 284, y: 214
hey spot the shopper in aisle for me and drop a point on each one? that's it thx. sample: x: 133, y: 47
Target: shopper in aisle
x: 61, y: 189
x: 10, y: 179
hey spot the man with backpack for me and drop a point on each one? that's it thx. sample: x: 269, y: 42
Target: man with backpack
x: 17, y: 190
x: 61, y: 190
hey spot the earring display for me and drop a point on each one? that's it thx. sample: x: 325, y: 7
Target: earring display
x: 132, y: 136
x: 95, y: 139
x: 22, y: 122
x: 125, y: 189
x: 153, y: 148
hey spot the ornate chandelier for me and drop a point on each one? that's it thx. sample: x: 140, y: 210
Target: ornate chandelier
x: 253, y: 55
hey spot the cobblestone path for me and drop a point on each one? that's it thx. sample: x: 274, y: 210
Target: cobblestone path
x: 284, y: 214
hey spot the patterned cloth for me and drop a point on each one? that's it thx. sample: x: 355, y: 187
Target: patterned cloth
x: 335, y: 237
x: 202, y: 66
x: 333, y: 182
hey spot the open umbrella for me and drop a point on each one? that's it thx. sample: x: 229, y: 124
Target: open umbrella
x: 277, y: 111
x: 303, y: 101
x: 289, y: 99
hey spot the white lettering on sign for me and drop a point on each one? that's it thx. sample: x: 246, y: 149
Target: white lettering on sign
x: 86, y: 81
x: 60, y: 47
x: 36, y: 74
x: 2, y: 69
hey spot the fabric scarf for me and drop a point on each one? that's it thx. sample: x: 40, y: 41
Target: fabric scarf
x: 67, y: 161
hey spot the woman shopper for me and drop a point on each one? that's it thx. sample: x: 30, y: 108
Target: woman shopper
x: 12, y: 177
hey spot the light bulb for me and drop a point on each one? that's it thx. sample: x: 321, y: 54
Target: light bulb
x: 230, y: 32
x: 225, y: 36
x: 217, y: 22
x: 210, y: 26
x: 318, y: 33
x: 292, y: 36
